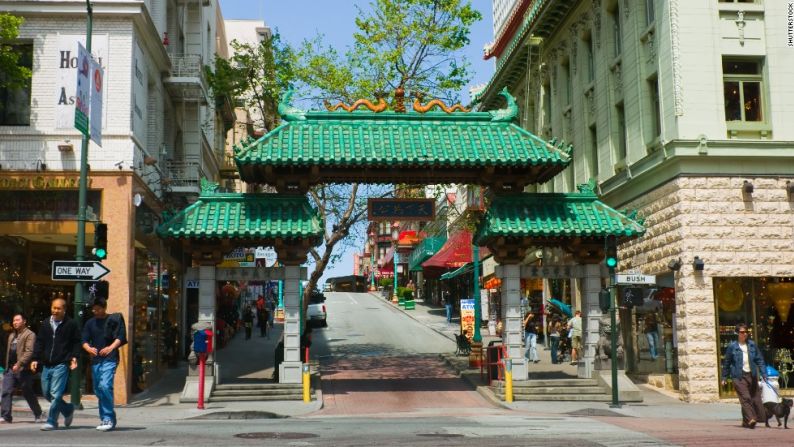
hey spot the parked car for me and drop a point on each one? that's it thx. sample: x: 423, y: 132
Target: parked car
x: 327, y: 287
x: 316, y: 313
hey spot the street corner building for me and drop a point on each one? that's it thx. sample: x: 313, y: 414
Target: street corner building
x: 693, y: 133
x: 161, y: 132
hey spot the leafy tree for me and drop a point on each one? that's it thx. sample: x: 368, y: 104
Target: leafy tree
x: 12, y: 75
x: 259, y: 75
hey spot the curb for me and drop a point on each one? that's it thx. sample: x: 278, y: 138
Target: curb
x: 483, y: 390
x: 397, y: 309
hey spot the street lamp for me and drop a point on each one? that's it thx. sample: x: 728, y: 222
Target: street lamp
x: 395, y: 237
x: 372, y: 261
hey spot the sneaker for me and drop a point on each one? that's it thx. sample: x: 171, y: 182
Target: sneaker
x: 67, y: 420
x: 5, y: 421
x: 39, y: 420
x: 105, y: 426
x: 48, y: 427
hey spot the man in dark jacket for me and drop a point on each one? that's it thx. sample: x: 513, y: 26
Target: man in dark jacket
x: 103, y: 335
x: 17, y: 373
x: 744, y: 364
x: 57, y: 348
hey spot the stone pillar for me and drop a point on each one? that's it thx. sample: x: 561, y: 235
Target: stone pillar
x: 206, y: 320
x: 290, y: 369
x: 511, y: 305
x: 591, y: 313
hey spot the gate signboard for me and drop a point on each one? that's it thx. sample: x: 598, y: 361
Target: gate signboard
x: 400, y: 209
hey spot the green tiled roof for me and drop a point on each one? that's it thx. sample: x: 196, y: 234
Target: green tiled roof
x: 427, y: 248
x: 545, y: 215
x: 388, y: 140
x: 245, y: 216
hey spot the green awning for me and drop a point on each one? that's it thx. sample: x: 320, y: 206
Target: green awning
x: 546, y: 216
x: 245, y: 217
x: 427, y: 248
x: 468, y: 268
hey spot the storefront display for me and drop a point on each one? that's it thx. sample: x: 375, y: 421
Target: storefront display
x: 764, y: 304
x: 652, y: 347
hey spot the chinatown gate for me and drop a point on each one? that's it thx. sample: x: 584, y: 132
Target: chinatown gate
x: 418, y: 147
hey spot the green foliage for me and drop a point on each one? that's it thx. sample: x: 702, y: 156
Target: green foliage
x: 386, y: 282
x: 413, y: 44
x: 405, y: 293
x: 12, y: 75
x: 258, y: 75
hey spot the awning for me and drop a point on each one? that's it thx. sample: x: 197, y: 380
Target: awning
x: 427, y: 248
x: 468, y: 268
x: 455, y: 253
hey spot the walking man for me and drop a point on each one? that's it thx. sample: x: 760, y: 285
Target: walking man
x: 743, y: 364
x: 103, y: 335
x: 56, y: 349
x: 531, y: 338
x: 575, y: 327
x: 448, y: 305
x: 17, y: 373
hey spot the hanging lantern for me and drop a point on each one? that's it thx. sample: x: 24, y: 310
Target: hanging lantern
x: 730, y: 296
x: 781, y: 293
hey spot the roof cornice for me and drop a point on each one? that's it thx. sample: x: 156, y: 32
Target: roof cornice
x: 507, y: 31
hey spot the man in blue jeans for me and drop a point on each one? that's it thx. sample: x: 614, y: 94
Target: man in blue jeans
x: 103, y: 335
x: 56, y: 349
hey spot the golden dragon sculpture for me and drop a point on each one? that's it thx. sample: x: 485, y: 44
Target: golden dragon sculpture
x: 418, y: 107
x: 379, y: 107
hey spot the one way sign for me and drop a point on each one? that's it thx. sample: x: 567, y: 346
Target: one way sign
x: 78, y: 270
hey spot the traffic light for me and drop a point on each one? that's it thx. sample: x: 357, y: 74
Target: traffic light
x: 611, y: 252
x: 100, y: 241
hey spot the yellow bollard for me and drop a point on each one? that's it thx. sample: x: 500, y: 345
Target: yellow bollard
x: 307, y: 396
x: 508, y: 380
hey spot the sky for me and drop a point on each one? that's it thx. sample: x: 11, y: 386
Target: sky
x: 296, y: 20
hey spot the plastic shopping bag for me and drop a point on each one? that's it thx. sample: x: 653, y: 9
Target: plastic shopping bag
x: 770, y: 390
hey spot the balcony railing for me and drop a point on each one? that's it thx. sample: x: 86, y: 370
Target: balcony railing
x: 183, y: 174
x: 187, y: 77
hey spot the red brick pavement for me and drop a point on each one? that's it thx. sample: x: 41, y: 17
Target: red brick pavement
x: 706, y: 433
x: 371, y: 385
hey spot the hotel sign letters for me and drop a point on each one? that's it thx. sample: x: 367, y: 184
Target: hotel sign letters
x: 40, y: 182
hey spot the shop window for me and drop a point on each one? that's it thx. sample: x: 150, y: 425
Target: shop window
x: 15, y: 100
x: 743, y: 91
x: 764, y: 304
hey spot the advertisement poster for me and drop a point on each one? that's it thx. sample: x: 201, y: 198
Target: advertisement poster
x: 467, y: 317
x: 97, y: 85
x: 83, y: 90
x: 64, y: 59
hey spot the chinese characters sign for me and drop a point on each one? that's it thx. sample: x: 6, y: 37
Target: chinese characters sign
x: 400, y: 209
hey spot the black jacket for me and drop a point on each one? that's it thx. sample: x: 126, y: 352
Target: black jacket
x: 54, y: 349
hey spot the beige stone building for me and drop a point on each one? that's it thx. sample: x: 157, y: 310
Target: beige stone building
x: 680, y: 110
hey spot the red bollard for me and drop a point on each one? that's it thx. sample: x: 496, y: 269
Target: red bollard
x: 202, y: 368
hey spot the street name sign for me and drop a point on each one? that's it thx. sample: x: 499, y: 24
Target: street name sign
x: 78, y: 270
x: 636, y: 279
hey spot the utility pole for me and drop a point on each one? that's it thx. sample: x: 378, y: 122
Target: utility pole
x: 81, y: 212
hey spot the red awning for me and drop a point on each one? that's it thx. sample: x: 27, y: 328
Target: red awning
x: 455, y: 253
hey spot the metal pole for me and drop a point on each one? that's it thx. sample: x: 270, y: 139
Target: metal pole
x: 81, y: 211
x: 613, y: 321
x: 372, y: 267
x: 475, y: 256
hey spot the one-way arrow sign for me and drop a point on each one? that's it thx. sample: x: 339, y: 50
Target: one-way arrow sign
x: 78, y: 270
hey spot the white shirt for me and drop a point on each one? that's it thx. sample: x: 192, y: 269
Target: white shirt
x: 745, y: 358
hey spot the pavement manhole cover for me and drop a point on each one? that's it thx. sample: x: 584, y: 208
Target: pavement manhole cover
x: 440, y: 435
x: 587, y: 412
x: 220, y: 415
x: 275, y: 435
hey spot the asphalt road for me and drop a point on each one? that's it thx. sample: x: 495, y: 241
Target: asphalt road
x: 383, y: 384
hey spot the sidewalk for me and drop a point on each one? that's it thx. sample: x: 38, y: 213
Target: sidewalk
x: 161, y: 401
x: 656, y: 404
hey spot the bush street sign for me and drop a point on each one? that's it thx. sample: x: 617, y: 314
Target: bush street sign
x: 636, y: 279
x: 78, y: 270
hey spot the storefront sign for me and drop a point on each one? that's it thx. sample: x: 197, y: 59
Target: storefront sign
x: 192, y: 284
x: 41, y: 182
x: 44, y: 205
x: 467, y: 317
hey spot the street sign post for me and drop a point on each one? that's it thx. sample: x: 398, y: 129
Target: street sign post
x: 636, y: 279
x: 78, y: 270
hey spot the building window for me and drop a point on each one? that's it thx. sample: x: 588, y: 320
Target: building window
x: 649, y: 11
x: 592, y: 159
x: 547, y: 109
x: 588, y: 48
x: 15, y: 101
x: 653, y: 94
x: 620, y: 117
x: 742, y: 84
x: 617, y: 34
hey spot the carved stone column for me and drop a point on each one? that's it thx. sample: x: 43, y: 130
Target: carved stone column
x: 290, y: 368
x: 512, y: 318
x: 591, y: 313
